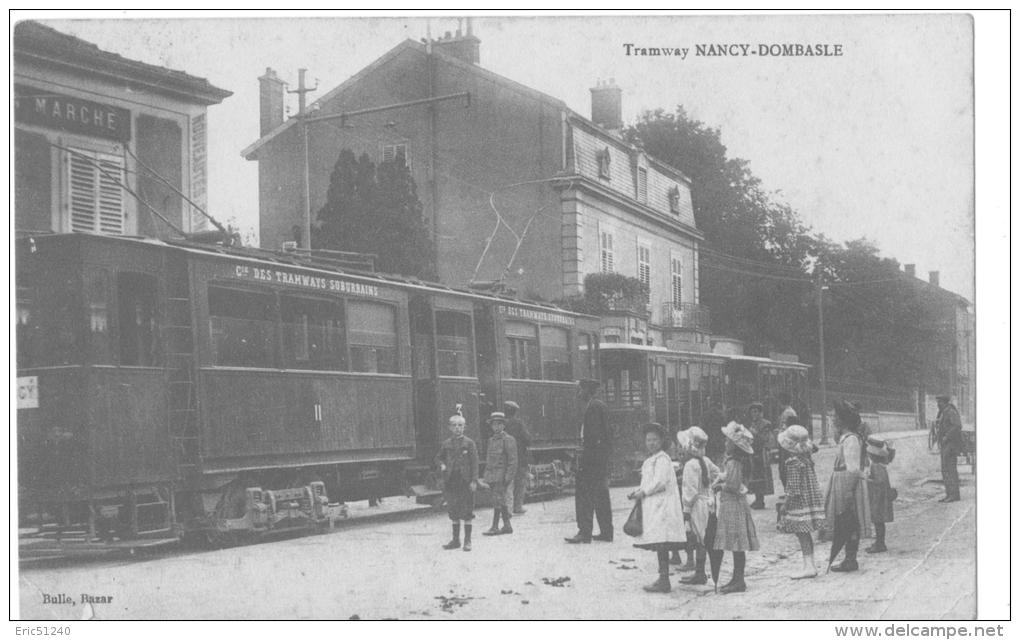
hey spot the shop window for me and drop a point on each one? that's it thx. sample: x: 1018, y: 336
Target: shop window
x: 372, y: 333
x: 136, y: 300
x: 555, y: 354
x: 94, y: 197
x: 522, y: 359
x: 242, y: 326
x: 453, y: 344
x: 313, y: 334
x: 97, y: 302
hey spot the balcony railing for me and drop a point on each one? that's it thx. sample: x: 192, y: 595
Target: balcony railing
x: 686, y: 315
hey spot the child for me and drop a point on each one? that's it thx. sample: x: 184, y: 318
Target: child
x: 680, y: 455
x: 458, y: 461
x: 698, y: 501
x: 500, y: 469
x: 735, y: 530
x: 803, y: 512
x: 880, y: 494
x: 662, y: 520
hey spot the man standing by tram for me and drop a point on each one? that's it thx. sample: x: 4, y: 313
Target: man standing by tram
x: 591, y: 496
x: 949, y: 432
x: 517, y: 429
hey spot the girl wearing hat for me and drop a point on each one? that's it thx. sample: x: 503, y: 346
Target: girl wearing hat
x: 662, y: 521
x: 847, y: 511
x: 880, y: 494
x: 699, y: 472
x: 734, y: 528
x: 803, y: 512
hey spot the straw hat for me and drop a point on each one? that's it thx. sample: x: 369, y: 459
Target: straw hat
x: 510, y: 404
x: 496, y: 415
x: 740, y: 436
x: 697, y: 435
x: 683, y: 439
x: 795, y: 439
x: 880, y: 449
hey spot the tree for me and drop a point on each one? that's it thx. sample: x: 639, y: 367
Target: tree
x: 376, y: 210
x: 606, y: 292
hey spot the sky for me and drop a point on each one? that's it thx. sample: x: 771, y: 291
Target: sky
x: 877, y: 142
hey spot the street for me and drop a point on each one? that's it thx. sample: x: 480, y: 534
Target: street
x: 396, y: 569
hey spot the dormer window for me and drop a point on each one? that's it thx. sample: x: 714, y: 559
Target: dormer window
x: 674, y: 200
x: 603, y: 159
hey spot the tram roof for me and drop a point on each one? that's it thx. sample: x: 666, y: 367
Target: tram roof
x: 271, y: 258
x: 649, y: 349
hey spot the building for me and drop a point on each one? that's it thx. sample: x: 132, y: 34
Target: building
x: 91, y: 127
x: 519, y: 190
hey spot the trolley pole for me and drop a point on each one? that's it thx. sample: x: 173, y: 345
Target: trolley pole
x: 306, y: 231
x: 821, y: 357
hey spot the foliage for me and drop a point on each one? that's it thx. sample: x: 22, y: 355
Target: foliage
x: 375, y: 209
x: 605, y: 292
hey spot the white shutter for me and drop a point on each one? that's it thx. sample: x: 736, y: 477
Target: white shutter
x: 94, y: 198
x: 606, y: 240
x: 676, y: 277
x: 642, y: 184
x: 389, y: 152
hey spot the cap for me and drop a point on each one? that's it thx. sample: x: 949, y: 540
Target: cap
x: 496, y: 415
x: 510, y: 404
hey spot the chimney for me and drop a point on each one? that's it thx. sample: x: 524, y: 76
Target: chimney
x: 607, y: 105
x: 270, y: 102
x: 462, y: 46
x: 910, y: 270
x: 933, y: 277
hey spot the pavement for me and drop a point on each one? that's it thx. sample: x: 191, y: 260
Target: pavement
x: 395, y: 568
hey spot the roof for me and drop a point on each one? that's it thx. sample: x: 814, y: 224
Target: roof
x: 282, y: 259
x: 37, y: 42
x: 249, y: 151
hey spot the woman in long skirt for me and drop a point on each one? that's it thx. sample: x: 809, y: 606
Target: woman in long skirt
x: 662, y: 520
x: 847, y: 511
x: 735, y: 530
x: 760, y: 482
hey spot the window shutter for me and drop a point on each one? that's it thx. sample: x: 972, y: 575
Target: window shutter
x: 389, y: 152
x: 676, y: 274
x: 95, y: 199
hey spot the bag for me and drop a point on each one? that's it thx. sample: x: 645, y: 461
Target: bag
x: 893, y: 494
x: 633, y: 526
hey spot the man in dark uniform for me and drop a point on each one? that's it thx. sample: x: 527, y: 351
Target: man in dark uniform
x: 711, y: 422
x: 591, y: 496
x: 949, y: 432
x: 516, y: 428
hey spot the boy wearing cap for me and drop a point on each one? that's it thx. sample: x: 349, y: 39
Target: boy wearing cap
x: 458, y: 461
x: 500, y: 470
x: 880, y: 494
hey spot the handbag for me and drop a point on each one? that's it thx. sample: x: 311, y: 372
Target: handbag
x: 633, y: 526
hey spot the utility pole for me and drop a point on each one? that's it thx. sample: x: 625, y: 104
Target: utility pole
x: 821, y: 355
x: 306, y: 234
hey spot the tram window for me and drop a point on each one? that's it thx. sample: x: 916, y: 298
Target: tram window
x: 97, y: 302
x: 242, y: 327
x: 313, y: 334
x: 555, y: 354
x: 136, y: 301
x: 453, y: 344
x: 522, y: 360
x: 27, y: 328
x: 372, y: 334
x: 585, y: 356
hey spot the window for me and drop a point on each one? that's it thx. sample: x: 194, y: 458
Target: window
x: 644, y: 269
x: 453, y: 344
x: 27, y: 328
x: 94, y: 197
x: 48, y: 320
x: 396, y: 153
x: 642, y: 184
x: 522, y: 359
x: 372, y: 333
x: 97, y: 301
x: 313, y: 334
x: 606, y: 252
x: 676, y: 271
x: 32, y: 175
x: 602, y: 157
x: 242, y: 326
x: 136, y: 302
x: 674, y: 200
x: 586, y: 356
x: 555, y: 354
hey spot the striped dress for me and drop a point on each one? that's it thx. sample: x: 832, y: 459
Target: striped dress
x: 734, y: 528
x: 804, y: 511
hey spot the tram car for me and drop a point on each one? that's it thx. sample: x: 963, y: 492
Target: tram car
x: 177, y: 389
x: 653, y: 384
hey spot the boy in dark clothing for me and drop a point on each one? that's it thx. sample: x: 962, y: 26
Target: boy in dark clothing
x: 458, y: 461
x: 500, y: 469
